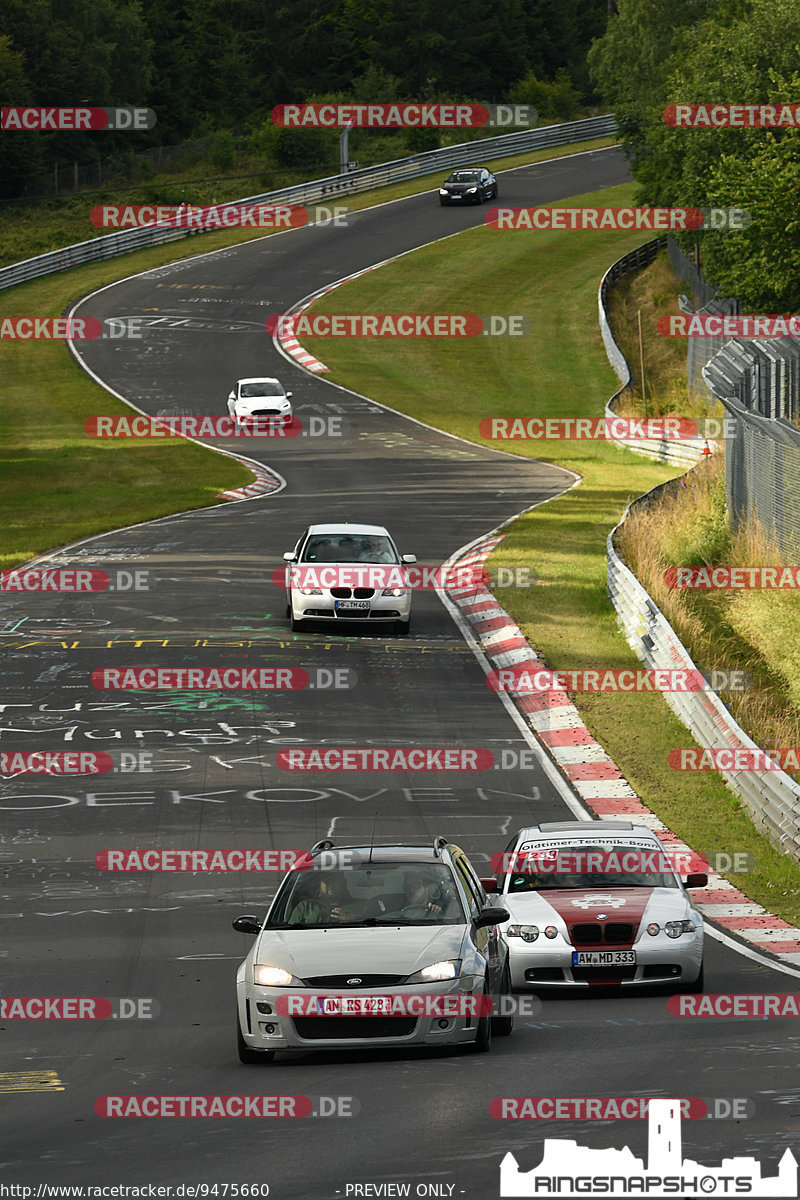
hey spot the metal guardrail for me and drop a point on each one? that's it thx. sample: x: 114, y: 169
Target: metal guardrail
x: 333, y: 187
x: 684, y: 453
x: 771, y: 797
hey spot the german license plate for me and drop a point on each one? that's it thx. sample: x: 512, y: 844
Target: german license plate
x: 351, y: 605
x: 604, y: 958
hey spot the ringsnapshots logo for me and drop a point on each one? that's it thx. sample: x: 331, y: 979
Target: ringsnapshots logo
x: 732, y: 116
x: 569, y: 1170
x: 218, y: 216
x: 75, y: 120
x: 402, y: 116
x: 398, y: 325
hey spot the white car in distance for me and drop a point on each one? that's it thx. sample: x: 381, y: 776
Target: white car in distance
x: 259, y: 399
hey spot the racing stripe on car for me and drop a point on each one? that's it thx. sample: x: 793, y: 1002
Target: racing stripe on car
x: 599, y: 782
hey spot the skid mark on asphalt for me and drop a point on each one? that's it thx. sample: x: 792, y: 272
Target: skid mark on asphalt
x: 30, y: 1081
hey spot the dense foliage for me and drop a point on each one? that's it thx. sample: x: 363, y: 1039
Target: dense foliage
x: 661, y: 52
x: 210, y: 65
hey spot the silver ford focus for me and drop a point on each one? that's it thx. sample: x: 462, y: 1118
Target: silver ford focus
x: 368, y: 946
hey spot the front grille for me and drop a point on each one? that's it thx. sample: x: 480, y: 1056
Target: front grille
x: 266, y: 412
x: 586, y: 935
x: 343, y: 593
x: 616, y: 933
x: 364, y: 981
x: 328, y: 1028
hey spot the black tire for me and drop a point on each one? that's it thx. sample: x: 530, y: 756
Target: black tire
x: 401, y: 628
x: 288, y: 611
x: 248, y: 1056
x: 483, y: 1039
x: 503, y: 1026
x: 297, y: 626
x: 699, y: 984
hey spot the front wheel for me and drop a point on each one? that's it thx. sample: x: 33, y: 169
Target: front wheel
x: 402, y: 627
x: 699, y: 984
x: 248, y: 1056
x: 296, y: 624
x: 483, y: 1039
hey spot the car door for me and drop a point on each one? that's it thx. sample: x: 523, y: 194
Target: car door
x: 486, y: 939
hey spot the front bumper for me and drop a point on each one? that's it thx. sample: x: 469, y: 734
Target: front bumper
x: 322, y: 608
x: 263, y: 1030
x: 665, y: 960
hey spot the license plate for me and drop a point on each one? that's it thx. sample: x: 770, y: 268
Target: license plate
x: 351, y: 605
x: 604, y: 958
x: 353, y: 1006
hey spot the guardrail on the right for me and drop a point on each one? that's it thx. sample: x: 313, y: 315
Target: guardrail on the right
x: 771, y: 797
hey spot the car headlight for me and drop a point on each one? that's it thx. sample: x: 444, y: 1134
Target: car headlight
x: 442, y: 191
x: 528, y: 933
x: 674, y: 929
x: 449, y: 968
x: 653, y: 928
x: 265, y: 975
x: 310, y: 591
x: 471, y: 190
x: 393, y: 592
x: 550, y: 932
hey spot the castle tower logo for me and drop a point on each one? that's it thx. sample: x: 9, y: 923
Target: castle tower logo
x: 568, y: 1169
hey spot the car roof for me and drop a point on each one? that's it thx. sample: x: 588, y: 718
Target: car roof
x: 395, y: 853
x: 346, y: 527
x: 259, y: 379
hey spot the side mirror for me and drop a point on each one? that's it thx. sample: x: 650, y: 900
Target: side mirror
x: 698, y: 879
x: 490, y: 884
x: 288, y: 394
x: 409, y: 558
x: 491, y: 916
x: 289, y: 556
x: 247, y: 924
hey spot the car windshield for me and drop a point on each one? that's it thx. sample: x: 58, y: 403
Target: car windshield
x: 345, y: 548
x: 368, y: 893
x: 589, y: 866
x: 464, y: 177
x: 248, y: 391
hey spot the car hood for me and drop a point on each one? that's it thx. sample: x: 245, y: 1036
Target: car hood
x: 385, y: 949
x: 631, y: 905
x: 460, y: 187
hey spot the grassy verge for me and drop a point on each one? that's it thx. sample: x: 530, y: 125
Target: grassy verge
x: 560, y: 369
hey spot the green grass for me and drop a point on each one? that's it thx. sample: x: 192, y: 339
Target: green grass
x: 560, y: 369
